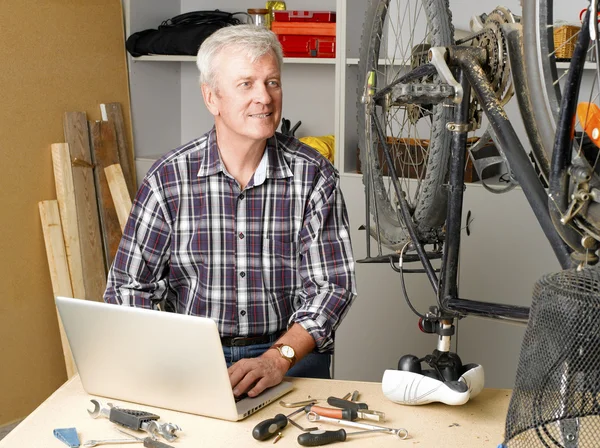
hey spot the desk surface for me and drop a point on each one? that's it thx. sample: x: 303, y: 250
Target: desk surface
x: 479, y: 423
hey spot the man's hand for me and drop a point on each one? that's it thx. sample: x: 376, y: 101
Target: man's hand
x: 256, y: 374
x: 262, y: 372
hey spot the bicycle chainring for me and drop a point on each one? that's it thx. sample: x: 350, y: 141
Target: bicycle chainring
x: 492, y: 39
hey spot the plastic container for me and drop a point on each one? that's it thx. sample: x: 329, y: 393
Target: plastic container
x: 304, y: 28
x: 298, y: 46
x: 304, y: 16
x: 306, y: 39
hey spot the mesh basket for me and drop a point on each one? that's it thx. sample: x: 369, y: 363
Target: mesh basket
x: 565, y: 38
x: 556, y: 399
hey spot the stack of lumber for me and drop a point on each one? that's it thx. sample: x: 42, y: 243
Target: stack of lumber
x: 94, y: 188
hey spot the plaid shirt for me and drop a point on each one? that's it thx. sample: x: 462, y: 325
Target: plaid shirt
x: 255, y: 260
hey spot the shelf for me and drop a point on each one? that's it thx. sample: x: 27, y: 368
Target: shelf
x: 565, y: 65
x: 179, y: 58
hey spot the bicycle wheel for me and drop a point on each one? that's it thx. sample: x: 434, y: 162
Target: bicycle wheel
x: 576, y: 169
x: 543, y: 77
x: 396, y: 37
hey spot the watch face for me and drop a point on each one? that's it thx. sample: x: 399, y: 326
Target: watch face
x: 287, y: 351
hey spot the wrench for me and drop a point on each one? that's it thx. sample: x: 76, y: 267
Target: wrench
x: 136, y: 420
x: 400, y: 432
x: 108, y: 441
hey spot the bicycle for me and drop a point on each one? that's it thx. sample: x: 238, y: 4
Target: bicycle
x: 414, y: 185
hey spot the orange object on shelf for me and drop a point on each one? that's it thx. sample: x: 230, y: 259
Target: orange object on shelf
x: 304, y: 28
x: 589, y: 117
x: 306, y: 39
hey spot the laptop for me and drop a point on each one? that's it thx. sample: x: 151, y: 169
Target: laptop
x: 160, y: 359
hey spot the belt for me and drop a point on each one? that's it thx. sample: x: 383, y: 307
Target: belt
x: 241, y: 341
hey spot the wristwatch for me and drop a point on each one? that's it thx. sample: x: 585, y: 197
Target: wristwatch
x: 286, y: 353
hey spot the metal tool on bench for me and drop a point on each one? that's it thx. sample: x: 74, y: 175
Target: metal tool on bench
x: 346, y: 404
x: 298, y: 403
x: 148, y: 442
x: 322, y: 437
x: 346, y: 413
x: 361, y: 409
x: 136, y: 420
x: 398, y: 432
x: 267, y: 428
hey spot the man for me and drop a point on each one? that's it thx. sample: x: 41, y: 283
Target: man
x: 243, y: 225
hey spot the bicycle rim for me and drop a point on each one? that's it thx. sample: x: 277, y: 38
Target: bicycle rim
x: 396, y: 36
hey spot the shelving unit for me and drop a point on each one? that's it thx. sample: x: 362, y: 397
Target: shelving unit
x: 319, y: 92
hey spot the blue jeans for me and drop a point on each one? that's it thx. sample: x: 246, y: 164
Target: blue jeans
x: 313, y: 365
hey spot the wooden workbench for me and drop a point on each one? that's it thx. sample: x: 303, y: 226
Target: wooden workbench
x: 479, y: 423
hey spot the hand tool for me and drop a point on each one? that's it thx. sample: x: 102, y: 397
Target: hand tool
x: 322, y: 437
x: 347, y: 414
x: 354, y: 396
x: 149, y: 442
x: 297, y: 403
x: 108, y: 441
x: 400, y: 432
x: 346, y: 404
x: 68, y: 436
x: 136, y: 420
x: 267, y: 428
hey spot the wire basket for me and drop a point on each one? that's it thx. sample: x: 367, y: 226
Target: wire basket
x: 556, y: 398
x: 565, y: 38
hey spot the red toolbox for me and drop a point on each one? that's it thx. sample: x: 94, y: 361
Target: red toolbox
x: 305, y: 16
x: 306, y: 39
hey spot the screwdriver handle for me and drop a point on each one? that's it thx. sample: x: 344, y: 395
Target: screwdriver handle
x: 321, y: 437
x: 149, y: 442
x: 342, y: 414
x: 267, y: 428
x: 346, y: 404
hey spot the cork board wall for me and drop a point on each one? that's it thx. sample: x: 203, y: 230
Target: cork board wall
x: 57, y: 56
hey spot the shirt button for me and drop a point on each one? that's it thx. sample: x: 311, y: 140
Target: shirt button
x: 242, y: 274
x: 241, y: 235
x: 243, y: 312
x: 242, y: 196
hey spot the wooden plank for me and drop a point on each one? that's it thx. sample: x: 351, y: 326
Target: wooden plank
x: 113, y: 112
x: 59, y: 269
x: 63, y: 179
x: 104, y: 153
x: 94, y: 272
x: 119, y: 192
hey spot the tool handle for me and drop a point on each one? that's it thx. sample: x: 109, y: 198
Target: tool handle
x: 149, y: 442
x: 345, y: 404
x: 267, y: 428
x: 321, y: 437
x: 131, y: 418
x: 343, y: 414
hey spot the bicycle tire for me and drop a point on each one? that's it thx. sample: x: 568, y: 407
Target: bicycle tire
x: 428, y: 203
x: 542, y: 75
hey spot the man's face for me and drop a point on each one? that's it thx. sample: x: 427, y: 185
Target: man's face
x: 247, y: 100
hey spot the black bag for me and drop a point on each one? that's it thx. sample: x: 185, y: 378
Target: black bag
x: 180, y: 35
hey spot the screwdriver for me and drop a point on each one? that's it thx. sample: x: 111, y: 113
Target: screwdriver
x: 267, y: 428
x: 347, y: 413
x: 322, y: 437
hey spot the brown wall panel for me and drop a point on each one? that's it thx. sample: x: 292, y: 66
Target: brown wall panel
x: 56, y: 56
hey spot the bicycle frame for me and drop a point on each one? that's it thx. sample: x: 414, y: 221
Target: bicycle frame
x: 468, y: 64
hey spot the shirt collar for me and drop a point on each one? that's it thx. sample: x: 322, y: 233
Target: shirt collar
x: 272, y: 165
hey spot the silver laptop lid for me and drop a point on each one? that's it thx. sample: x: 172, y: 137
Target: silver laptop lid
x: 161, y: 359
